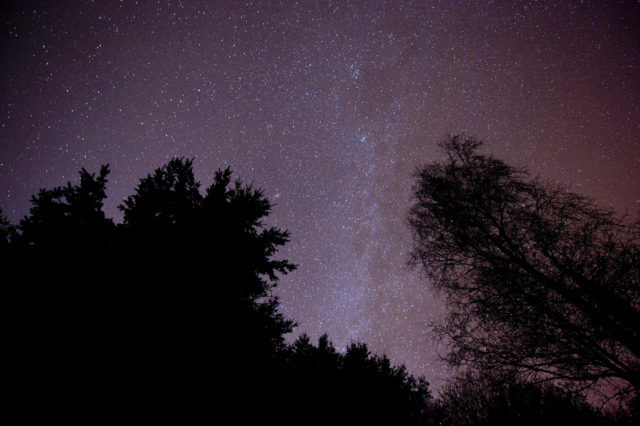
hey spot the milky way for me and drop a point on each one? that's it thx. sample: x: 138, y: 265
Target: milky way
x: 329, y: 107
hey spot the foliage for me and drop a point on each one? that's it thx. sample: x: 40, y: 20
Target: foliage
x: 170, y: 317
x: 538, y: 279
x: 218, y: 237
x: 6, y: 231
x: 68, y: 217
x: 151, y: 317
x: 355, y: 386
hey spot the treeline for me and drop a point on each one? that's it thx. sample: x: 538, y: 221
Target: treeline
x: 170, y: 318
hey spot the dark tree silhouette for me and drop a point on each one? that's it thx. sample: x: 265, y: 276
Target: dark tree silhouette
x: 170, y: 317
x: 354, y: 387
x: 69, y: 217
x: 538, y: 278
x: 214, y: 268
x: 51, y: 291
x: 488, y: 400
x: 6, y: 230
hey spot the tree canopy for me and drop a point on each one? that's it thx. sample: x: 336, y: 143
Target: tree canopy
x: 351, y: 387
x: 170, y: 317
x: 177, y: 297
x: 68, y: 217
x: 538, y: 279
x: 5, y: 232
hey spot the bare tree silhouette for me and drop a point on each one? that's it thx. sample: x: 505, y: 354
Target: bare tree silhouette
x: 538, y: 279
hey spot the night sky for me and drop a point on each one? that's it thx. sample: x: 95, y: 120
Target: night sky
x: 329, y: 107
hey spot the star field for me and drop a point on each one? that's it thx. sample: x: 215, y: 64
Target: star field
x: 329, y: 107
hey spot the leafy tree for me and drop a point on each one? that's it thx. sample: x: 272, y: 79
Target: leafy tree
x: 214, y: 268
x: 50, y: 287
x: 68, y: 217
x: 538, y: 279
x: 218, y: 238
x: 383, y: 393
x: 354, y: 387
x: 168, y: 317
x: 6, y: 230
